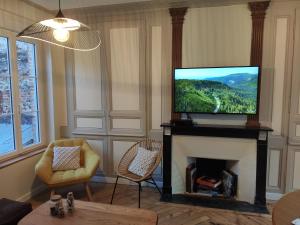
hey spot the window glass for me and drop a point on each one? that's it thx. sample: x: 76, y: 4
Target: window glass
x: 7, y: 139
x: 26, y: 62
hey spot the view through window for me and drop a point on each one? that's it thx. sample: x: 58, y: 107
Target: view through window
x: 25, y: 99
x: 7, y: 140
x: 28, y: 93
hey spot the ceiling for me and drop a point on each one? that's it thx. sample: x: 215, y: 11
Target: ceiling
x: 72, y: 4
x: 52, y: 5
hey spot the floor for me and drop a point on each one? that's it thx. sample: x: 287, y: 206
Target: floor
x: 168, y: 213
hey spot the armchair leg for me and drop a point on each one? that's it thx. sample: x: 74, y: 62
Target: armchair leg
x: 112, y: 197
x: 88, y: 191
x: 140, y: 188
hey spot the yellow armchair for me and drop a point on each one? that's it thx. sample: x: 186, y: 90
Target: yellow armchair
x: 89, y: 161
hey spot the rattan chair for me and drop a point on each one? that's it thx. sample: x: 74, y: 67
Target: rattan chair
x: 127, y: 158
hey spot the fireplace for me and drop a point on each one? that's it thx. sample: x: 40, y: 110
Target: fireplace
x: 245, y: 148
x: 238, y: 152
x: 212, y: 177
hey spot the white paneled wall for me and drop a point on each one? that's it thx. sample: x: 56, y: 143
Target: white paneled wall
x: 125, y: 71
x: 297, y: 130
x: 89, y: 123
x: 279, y: 73
x: 98, y: 147
x: 119, y: 149
x: 274, y: 167
x: 156, y: 77
x: 293, y: 160
x: 296, y: 174
x: 88, y: 80
x: 279, y: 54
x: 126, y: 123
x: 108, y: 104
x: 122, y: 92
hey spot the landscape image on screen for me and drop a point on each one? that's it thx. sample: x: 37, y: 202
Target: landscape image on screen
x: 216, y: 90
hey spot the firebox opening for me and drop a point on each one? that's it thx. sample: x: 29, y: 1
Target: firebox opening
x: 212, y: 177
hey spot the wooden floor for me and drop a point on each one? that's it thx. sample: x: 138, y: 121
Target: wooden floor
x: 168, y: 213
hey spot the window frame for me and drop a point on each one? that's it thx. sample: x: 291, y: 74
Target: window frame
x: 16, y: 110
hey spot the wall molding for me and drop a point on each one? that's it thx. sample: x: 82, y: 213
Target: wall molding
x: 32, y: 193
x: 273, y: 196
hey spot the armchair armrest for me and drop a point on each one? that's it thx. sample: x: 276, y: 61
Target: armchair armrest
x: 43, y: 168
x: 91, y: 159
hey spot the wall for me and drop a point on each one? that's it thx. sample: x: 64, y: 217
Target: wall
x: 217, y: 36
x: 18, y: 181
x: 119, y: 93
x: 125, y: 94
x: 281, y: 96
x: 214, y: 36
x: 122, y: 91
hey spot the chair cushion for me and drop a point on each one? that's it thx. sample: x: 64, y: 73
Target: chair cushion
x: 143, y: 160
x: 66, y: 158
x: 11, y: 212
x: 68, y: 177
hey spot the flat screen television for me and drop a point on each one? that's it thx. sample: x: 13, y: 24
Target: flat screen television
x: 216, y: 90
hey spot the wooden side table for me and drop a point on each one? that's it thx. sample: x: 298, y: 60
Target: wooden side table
x: 287, y: 209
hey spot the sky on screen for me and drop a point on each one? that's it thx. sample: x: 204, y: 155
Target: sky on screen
x: 203, y: 73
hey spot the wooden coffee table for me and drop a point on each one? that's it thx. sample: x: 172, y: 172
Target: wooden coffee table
x: 90, y: 213
x: 287, y: 209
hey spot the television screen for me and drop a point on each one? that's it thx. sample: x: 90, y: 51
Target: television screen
x: 225, y: 90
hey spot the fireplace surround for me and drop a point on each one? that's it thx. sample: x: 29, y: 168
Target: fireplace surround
x: 257, y: 137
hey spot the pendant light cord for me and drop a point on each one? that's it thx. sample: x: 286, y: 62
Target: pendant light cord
x: 59, y: 14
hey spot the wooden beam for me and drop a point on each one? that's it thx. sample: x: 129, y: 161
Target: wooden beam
x: 177, y: 15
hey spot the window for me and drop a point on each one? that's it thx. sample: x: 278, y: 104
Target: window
x: 19, y: 103
x: 7, y: 138
x: 28, y: 93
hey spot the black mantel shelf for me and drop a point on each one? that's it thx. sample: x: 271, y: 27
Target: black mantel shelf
x: 229, y: 131
x: 234, y: 131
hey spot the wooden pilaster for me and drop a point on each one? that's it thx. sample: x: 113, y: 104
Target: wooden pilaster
x: 177, y: 15
x: 258, y: 12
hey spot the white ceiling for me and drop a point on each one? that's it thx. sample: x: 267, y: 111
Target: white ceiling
x: 72, y: 4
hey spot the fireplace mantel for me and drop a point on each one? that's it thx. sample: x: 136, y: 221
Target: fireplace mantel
x: 260, y: 134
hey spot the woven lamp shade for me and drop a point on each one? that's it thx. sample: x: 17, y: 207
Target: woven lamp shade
x: 64, y: 32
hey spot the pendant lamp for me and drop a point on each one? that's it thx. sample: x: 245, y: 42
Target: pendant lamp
x: 64, y: 32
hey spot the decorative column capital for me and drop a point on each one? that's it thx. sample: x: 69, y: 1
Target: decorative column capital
x: 258, y: 9
x: 178, y: 14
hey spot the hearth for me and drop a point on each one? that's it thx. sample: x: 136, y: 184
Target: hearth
x: 211, y: 177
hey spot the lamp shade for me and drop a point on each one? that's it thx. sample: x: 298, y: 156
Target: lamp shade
x: 64, y: 32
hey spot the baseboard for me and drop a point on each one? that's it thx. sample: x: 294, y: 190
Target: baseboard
x: 112, y: 180
x: 34, y: 192
x: 273, y: 196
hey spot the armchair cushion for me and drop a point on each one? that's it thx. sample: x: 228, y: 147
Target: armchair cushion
x: 66, y: 158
